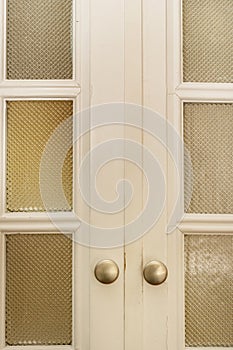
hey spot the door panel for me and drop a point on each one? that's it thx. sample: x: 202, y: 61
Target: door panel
x: 207, y: 33
x: 30, y: 124
x: 107, y: 81
x: 38, y: 289
x: 208, y: 138
x: 199, y: 105
x: 208, y: 290
x: 39, y: 39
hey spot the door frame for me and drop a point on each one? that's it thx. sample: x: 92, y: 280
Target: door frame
x: 180, y: 92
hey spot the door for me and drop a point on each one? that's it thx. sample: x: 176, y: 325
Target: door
x: 116, y: 200
x: 199, y: 107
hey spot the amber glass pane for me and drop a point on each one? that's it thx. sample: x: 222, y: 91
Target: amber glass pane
x: 207, y: 41
x: 209, y: 290
x: 30, y: 125
x: 39, y: 39
x: 38, y: 289
x: 208, y: 137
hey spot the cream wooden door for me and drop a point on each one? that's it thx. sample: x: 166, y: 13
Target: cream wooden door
x: 85, y: 58
x: 138, y: 84
x: 200, y: 108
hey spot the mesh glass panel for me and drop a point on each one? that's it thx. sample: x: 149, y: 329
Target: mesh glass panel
x: 29, y: 126
x: 39, y: 39
x: 208, y: 137
x: 38, y: 289
x: 207, y: 40
x: 209, y: 290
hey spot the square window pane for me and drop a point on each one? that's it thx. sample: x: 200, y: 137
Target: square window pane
x: 30, y: 125
x: 207, y: 41
x: 38, y: 289
x: 208, y: 290
x: 208, y: 136
x: 39, y: 39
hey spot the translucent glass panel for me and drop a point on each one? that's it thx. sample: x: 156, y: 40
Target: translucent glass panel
x: 38, y: 289
x: 209, y: 290
x: 208, y: 136
x: 30, y: 125
x: 207, y: 41
x: 39, y: 39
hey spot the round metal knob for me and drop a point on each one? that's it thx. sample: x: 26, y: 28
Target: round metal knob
x: 155, y: 273
x: 106, y: 271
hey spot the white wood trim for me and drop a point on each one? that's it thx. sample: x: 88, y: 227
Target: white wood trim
x: 155, y: 241
x: 176, y: 332
x: 133, y: 279
x: 209, y: 95
x: 2, y: 289
x: 39, y: 347
x: 174, y: 44
x: 211, y: 87
x: 175, y: 166
x: 41, y: 232
x: 28, y: 225
x: 76, y: 152
x: 208, y: 218
x: 82, y: 254
x: 107, y: 85
x: 207, y: 223
x: 81, y: 325
x: 39, y: 92
x: 75, y: 39
x: 39, y: 83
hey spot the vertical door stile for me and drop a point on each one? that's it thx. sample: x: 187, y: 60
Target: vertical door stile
x: 2, y: 290
x: 154, y: 97
x: 107, y: 86
x: 82, y: 123
x: 133, y: 251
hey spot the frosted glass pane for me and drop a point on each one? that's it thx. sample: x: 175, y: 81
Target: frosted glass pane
x: 208, y: 137
x: 209, y: 290
x: 38, y: 289
x: 30, y: 125
x: 39, y: 39
x: 207, y: 41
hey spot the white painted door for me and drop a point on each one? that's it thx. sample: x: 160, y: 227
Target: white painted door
x: 199, y: 71
x: 138, y: 84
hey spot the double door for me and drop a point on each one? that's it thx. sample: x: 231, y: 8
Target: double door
x: 116, y: 196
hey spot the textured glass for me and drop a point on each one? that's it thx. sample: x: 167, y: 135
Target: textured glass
x: 208, y: 136
x: 39, y: 39
x: 207, y: 41
x: 38, y: 289
x: 209, y: 290
x: 30, y: 125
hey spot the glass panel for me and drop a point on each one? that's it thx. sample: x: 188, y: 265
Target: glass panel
x: 30, y: 124
x: 38, y: 289
x: 209, y: 290
x: 207, y: 41
x: 208, y: 137
x: 39, y: 39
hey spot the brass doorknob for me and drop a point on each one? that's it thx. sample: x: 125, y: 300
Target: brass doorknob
x: 106, y: 271
x: 155, y: 273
